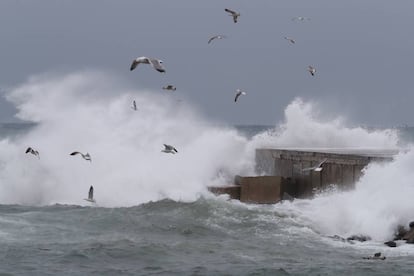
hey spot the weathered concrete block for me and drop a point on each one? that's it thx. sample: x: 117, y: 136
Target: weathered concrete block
x: 233, y: 191
x: 261, y: 189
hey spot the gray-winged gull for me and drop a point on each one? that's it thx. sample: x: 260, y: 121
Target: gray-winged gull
x: 155, y: 63
x: 316, y: 168
x: 300, y: 18
x: 216, y: 37
x: 32, y: 151
x: 234, y: 14
x: 169, y: 149
x: 169, y: 87
x: 238, y: 94
x: 291, y: 40
x: 85, y: 156
x: 90, y: 195
x: 311, y: 70
x: 134, y: 105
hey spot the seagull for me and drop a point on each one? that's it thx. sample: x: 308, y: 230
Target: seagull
x: 90, y: 195
x: 234, y: 14
x: 311, y: 70
x: 291, y: 40
x: 238, y: 94
x: 155, y: 63
x: 84, y: 156
x: 169, y: 149
x: 32, y: 151
x: 169, y: 87
x: 216, y: 37
x: 316, y: 168
x: 134, y: 105
x: 300, y: 18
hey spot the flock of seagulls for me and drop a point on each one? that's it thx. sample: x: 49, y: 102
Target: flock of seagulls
x: 157, y: 65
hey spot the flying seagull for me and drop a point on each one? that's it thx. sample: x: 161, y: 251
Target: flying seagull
x: 216, y: 37
x: 311, y: 70
x: 234, y: 14
x: 90, y: 195
x: 32, y: 151
x: 291, y: 40
x: 300, y: 18
x: 169, y: 87
x: 84, y: 156
x: 316, y: 168
x: 155, y: 63
x: 169, y: 149
x: 238, y: 94
x: 134, y: 105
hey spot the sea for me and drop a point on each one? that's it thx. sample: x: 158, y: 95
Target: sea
x: 153, y: 213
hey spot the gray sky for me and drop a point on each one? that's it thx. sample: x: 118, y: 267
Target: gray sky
x: 363, y: 52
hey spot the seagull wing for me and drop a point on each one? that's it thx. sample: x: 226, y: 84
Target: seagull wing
x: 28, y: 149
x: 157, y: 65
x: 75, y: 152
x: 237, y: 96
x: 235, y: 18
x: 168, y: 147
x: 90, y: 194
x: 323, y: 161
x: 212, y: 38
x: 134, y: 64
x: 230, y: 11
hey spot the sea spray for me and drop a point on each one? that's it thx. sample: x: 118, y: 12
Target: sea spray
x: 305, y: 126
x: 381, y: 200
x: 90, y: 112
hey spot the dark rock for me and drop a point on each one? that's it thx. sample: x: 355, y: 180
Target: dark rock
x: 391, y: 243
x: 360, y: 238
x: 411, y: 224
x: 409, y: 236
x: 377, y: 256
x: 400, y: 233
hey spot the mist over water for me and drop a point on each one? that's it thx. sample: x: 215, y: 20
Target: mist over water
x: 91, y: 112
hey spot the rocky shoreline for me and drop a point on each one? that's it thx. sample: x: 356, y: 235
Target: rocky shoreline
x: 401, y: 233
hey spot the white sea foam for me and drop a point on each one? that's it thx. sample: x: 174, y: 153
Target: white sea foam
x: 90, y: 112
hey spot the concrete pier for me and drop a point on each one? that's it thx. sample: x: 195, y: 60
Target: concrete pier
x: 283, y: 173
x: 342, y: 168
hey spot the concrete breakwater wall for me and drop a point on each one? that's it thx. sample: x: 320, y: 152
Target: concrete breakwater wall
x: 286, y: 175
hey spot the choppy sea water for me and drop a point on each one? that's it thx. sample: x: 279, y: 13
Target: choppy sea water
x: 208, y: 236
x: 154, y: 214
x: 205, y: 237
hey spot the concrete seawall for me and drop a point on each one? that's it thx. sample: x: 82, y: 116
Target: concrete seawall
x: 284, y: 173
